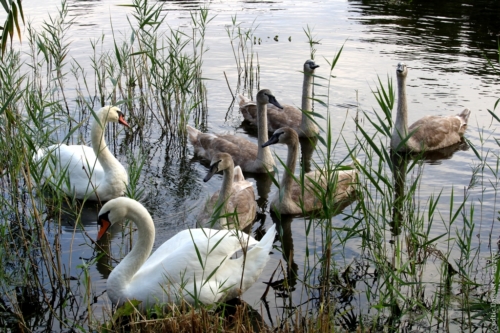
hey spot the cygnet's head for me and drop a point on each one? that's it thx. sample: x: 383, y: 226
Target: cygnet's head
x: 220, y: 162
x: 310, y: 66
x: 401, y: 70
x: 265, y: 96
x: 284, y: 135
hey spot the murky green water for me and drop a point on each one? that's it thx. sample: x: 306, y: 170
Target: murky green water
x: 442, y: 42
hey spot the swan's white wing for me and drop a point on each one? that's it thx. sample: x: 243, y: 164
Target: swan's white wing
x: 182, y: 246
x: 235, y: 276
x: 178, y: 263
x: 77, y: 162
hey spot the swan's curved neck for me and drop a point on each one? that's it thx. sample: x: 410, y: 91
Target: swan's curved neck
x: 263, y: 154
x: 307, y: 88
x: 291, y: 160
x: 401, y: 125
x: 225, y: 193
x: 106, y: 159
x: 123, y: 274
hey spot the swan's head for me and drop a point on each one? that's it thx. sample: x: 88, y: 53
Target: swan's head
x: 113, y: 211
x: 284, y: 135
x: 310, y: 66
x: 265, y: 96
x: 221, y: 161
x: 113, y: 114
x: 401, y: 70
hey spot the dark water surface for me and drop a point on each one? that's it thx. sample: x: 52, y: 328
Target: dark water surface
x: 444, y: 44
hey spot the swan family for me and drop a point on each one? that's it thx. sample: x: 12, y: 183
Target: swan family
x: 199, y: 264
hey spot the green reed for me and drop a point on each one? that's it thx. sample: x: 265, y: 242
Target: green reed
x: 243, y: 42
x: 36, y: 109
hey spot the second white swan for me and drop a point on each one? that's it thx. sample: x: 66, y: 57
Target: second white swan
x: 194, y: 265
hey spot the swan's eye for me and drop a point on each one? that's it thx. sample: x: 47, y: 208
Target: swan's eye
x: 103, y: 217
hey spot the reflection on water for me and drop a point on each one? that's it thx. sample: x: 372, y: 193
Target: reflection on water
x: 307, y: 146
x: 85, y: 216
x: 438, y: 32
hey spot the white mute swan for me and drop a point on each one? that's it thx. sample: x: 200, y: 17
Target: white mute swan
x: 249, y: 156
x: 289, y: 199
x: 235, y: 196
x: 429, y: 132
x: 193, y: 265
x: 301, y: 121
x: 93, y: 173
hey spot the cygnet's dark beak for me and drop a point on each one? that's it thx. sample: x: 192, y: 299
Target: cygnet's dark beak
x: 273, y: 101
x: 214, y: 168
x: 275, y: 138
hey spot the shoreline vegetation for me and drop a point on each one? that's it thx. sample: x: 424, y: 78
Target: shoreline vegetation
x: 402, y: 276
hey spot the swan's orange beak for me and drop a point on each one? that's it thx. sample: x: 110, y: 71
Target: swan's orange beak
x: 105, y: 224
x: 122, y: 120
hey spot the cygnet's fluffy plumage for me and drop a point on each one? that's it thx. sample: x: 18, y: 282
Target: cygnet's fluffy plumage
x: 249, y: 156
x: 289, y: 199
x: 236, y: 198
x: 300, y: 121
x: 429, y: 132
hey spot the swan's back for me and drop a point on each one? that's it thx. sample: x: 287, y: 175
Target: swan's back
x: 241, y: 201
x: 174, y: 271
x: 182, y: 245
x: 243, y: 152
x: 435, y: 132
x: 316, y: 183
x: 344, y: 181
x: 289, y: 116
x: 76, y: 163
